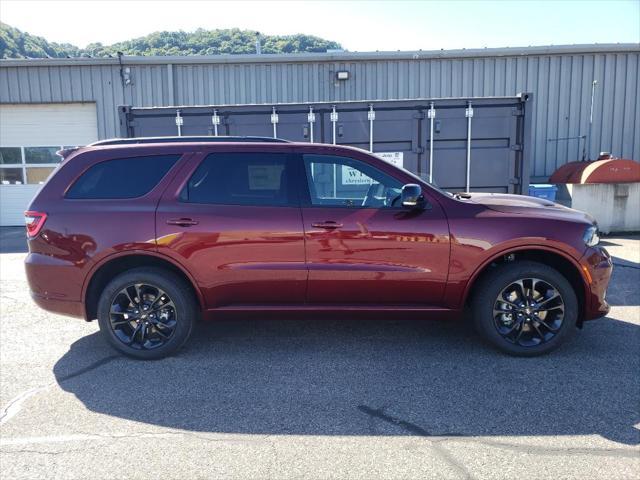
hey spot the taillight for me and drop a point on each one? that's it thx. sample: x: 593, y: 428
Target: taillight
x: 34, y: 222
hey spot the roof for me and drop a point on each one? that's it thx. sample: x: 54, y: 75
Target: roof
x: 188, y: 139
x: 280, y: 146
x: 331, y: 56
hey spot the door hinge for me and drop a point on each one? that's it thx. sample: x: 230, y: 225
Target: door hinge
x: 418, y: 150
x: 514, y: 181
x: 517, y: 112
x: 419, y: 115
x: 516, y: 147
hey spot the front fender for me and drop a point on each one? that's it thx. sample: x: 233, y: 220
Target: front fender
x: 463, y: 276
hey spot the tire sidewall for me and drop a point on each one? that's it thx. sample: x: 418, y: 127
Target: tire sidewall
x: 500, y: 278
x: 174, y: 288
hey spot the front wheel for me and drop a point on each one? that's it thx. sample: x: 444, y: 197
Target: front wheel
x: 525, y: 308
x: 147, y: 313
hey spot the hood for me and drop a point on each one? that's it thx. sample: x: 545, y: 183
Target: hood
x: 524, y: 205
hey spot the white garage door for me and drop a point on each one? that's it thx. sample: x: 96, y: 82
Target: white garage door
x: 29, y: 137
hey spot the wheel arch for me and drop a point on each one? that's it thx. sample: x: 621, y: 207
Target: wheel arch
x: 556, y: 259
x: 115, y: 264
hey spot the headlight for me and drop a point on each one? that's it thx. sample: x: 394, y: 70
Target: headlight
x: 591, y: 237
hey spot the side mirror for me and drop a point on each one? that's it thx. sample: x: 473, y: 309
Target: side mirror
x: 412, y: 197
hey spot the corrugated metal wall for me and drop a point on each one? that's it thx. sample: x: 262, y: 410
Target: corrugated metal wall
x: 54, y: 84
x: 561, y: 84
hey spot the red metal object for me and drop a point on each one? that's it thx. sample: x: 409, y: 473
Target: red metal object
x: 604, y: 170
x: 248, y: 258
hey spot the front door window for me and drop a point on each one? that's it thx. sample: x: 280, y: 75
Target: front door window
x: 345, y: 182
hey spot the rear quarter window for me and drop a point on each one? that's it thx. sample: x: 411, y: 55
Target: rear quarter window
x: 122, y: 177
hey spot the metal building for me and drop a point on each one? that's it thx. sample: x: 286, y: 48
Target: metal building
x: 46, y: 103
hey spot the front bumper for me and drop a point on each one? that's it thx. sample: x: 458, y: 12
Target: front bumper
x: 597, y: 267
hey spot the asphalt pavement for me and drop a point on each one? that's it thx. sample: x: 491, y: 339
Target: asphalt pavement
x: 318, y: 398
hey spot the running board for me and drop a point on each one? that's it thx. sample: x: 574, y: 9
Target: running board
x: 373, y: 310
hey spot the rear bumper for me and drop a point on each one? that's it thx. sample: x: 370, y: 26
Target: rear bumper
x: 53, y: 285
x: 597, y: 266
x: 56, y: 305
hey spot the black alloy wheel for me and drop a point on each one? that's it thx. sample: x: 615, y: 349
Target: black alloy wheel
x: 524, y: 308
x: 143, y: 316
x: 528, y: 312
x: 147, y: 312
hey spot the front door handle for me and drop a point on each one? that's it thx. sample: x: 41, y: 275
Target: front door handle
x: 328, y: 225
x: 182, y: 222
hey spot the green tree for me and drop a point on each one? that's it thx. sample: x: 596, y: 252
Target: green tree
x: 17, y: 44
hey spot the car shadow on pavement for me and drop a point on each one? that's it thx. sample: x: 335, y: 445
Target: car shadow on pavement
x: 379, y: 377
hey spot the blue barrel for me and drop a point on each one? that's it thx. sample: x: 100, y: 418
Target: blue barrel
x: 542, y: 190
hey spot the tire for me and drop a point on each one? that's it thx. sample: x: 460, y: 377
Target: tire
x: 165, y: 317
x: 497, y: 311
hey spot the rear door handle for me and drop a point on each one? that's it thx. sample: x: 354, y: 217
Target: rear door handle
x: 328, y: 225
x: 182, y: 222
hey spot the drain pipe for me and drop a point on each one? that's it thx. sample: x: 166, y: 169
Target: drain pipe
x: 593, y: 95
x: 371, y: 116
x: 311, y: 117
x: 469, y: 114
x: 334, y: 121
x: 215, y: 119
x: 432, y: 116
x: 179, y: 122
x: 274, y: 121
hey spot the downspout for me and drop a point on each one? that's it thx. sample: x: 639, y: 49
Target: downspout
x: 122, y: 82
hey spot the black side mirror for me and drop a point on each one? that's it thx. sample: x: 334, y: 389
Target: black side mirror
x: 412, y: 197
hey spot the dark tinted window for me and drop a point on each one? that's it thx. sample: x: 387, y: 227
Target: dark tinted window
x: 41, y: 155
x: 240, y: 179
x: 10, y: 155
x: 122, y: 177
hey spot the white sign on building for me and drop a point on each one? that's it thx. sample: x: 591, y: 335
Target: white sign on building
x: 395, y: 158
x: 351, y: 176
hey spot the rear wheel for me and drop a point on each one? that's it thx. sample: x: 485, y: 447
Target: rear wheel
x: 147, y: 313
x: 525, y: 308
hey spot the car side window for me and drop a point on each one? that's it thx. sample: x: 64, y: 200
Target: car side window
x: 260, y: 179
x: 343, y: 181
x: 122, y: 177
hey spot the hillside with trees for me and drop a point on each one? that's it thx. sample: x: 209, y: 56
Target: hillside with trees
x: 17, y: 44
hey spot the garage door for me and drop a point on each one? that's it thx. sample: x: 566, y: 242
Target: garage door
x: 29, y: 137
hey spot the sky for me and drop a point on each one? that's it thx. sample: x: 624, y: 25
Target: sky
x: 357, y: 25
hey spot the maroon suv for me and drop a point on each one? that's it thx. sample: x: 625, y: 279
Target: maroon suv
x: 148, y: 237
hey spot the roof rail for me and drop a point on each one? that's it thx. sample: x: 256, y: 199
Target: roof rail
x: 128, y: 141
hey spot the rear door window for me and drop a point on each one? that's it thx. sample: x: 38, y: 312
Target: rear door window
x: 260, y: 179
x: 122, y: 177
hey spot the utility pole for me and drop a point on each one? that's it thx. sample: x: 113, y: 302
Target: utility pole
x: 258, y: 44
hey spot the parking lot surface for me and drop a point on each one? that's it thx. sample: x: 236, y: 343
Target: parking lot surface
x: 332, y: 398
